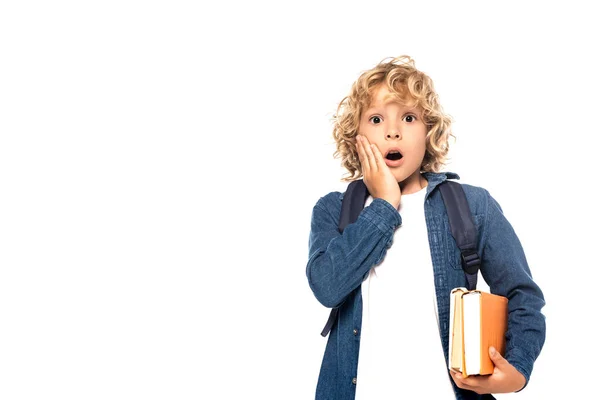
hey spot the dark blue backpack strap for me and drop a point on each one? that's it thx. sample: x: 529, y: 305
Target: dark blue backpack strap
x: 463, y: 229
x: 330, y: 321
x: 353, y: 203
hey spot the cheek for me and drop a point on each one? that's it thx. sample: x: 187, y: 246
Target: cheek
x: 362, y: 130
x: 365, y: 128
x: 371, y: 134
x: 419, y: 147
x: 422, y: 144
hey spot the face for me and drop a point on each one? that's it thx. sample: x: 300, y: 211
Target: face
x: 395, y: 128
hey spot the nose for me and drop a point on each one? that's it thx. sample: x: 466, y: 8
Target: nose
x: 393, y: 129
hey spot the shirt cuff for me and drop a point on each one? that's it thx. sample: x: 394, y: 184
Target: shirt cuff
x: 382, y: 214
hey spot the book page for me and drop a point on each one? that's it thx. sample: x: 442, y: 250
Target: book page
x: 455, y: 339
x: 472, y: 332
x: 451, y: 329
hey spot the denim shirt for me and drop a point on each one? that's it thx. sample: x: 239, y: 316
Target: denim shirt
x: 338, y: 263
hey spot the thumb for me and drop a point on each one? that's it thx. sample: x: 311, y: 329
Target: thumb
x: 497, y: 358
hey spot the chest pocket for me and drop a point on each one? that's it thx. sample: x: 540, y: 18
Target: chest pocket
x: 452, y: 250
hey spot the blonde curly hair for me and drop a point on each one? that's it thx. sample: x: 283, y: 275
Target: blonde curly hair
x: 408, y: 85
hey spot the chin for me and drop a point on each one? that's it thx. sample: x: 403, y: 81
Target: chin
x: 401, y: 179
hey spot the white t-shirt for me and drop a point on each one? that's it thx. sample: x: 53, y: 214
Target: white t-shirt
x: 400, y: 347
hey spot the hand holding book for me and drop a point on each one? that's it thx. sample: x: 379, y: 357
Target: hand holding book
x: 504, y: 379
x: 478, y: 323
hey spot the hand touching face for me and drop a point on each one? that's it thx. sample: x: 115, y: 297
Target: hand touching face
x: 376, y: 174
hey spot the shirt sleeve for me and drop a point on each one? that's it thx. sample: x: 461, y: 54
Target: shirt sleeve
x: 505, y: 269
x: 339, y: 262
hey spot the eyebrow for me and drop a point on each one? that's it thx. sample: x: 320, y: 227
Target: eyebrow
x: 391, y: 99
x: 402, y: 105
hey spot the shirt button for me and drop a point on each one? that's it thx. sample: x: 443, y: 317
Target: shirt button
x: 355, y: 331
x: 354, y: 381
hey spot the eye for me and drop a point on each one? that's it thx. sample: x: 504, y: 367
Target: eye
x: 410, y: 118
x: 376, y: 119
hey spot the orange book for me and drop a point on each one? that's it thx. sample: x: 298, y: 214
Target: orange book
x: 478, y: 320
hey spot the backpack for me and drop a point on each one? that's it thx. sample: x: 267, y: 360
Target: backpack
x: 462, y: 227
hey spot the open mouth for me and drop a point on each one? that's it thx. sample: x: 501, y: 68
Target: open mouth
x: 393, y: 155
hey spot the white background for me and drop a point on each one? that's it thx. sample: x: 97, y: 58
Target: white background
x: 159, y: 162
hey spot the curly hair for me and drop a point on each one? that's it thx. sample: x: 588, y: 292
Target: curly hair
x: 408, y: 85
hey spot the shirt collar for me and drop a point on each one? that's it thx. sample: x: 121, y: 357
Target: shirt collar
x: 435, y: 178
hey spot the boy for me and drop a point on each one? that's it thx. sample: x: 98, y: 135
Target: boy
x: 391, y: 272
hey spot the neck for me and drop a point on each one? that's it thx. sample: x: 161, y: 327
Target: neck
x: 413, y: 184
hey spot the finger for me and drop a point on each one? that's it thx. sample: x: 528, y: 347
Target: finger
x: 364, y: 160
x: 378, y: 157
x: 369, y: 153
x: 460, y: 381
x: 497, y: 358
x: 474, y: 383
